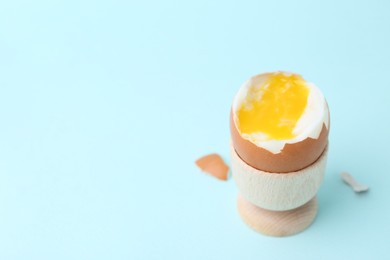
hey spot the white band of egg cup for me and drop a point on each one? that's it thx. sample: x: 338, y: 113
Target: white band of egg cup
x: 278, y: 191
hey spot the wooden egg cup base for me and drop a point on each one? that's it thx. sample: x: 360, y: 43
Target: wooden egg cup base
x: 277, y: 223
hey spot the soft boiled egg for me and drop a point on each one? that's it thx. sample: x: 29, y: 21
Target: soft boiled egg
x: 279, y: 122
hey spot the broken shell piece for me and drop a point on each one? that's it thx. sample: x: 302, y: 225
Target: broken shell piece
x: 357, y: 187
x: 214, y: 165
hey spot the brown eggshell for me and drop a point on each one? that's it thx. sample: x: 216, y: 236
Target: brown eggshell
x: 292, y: 158
x: 214, y: 165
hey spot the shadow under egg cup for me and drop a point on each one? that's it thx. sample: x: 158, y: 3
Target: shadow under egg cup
x: 277, y: 204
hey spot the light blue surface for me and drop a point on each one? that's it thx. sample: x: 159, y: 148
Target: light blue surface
x: 104, y: 107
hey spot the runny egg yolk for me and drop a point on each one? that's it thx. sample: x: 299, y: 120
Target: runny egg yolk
x: 274, y: 108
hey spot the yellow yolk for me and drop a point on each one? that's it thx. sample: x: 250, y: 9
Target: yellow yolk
x: 273, y: 108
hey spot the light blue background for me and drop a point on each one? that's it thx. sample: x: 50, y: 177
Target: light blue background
x: 104, y: 106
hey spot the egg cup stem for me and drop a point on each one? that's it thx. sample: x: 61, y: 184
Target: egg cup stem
x: 277, y: 223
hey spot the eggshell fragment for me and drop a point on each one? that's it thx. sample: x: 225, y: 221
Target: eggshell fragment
x: 214, y: 165
x: 356, y: 186
x: 293, y: 157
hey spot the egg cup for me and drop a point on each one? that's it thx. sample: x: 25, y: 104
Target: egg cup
x: 277, y: 204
